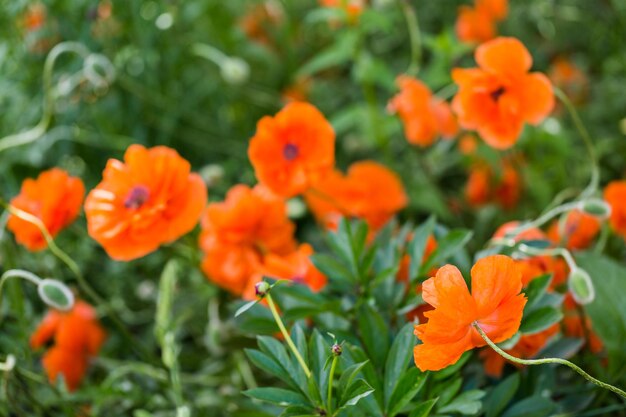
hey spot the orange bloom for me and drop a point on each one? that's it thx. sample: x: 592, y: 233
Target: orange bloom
x: 478, y: 24
x: 256, y: 21
x: 527, y: 347
x: 568, y: 77
x: 579, y: 232
x: 77, y: 337
x: 615, y: 196
x: 238, y: 232
x: 150, y: 199
x: 353, y: 8
x: 369, y: 191
x: 500, y: 96
x: 484, y: 187
x: 425, y: 116
x: 293, y: 150
x: 528, y: 234
x: 468, y: 144
x: 35, y: 17
x: 573, y: 325
x: 54, y: 197
x: 296, y: 266
x: 495, y: 304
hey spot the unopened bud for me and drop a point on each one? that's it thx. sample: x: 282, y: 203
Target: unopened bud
x: 596, y: 207
x: 336, y: 349
x: 235, y: 70
x: 580, y: 286
x: 261, y: 289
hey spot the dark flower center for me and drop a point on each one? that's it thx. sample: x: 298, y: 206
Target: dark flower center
x: 495, y: 95
x: 137, y: 196
x: 290, y: 152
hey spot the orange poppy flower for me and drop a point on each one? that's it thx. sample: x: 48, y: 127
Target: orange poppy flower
x: 568, y: 77
x: 615, y: 196
x: 495, y: 304
x: 425, y: 116
x: 296, y: 266
x: 150, y: 199
x: 528, y: 234
x: 527, y: 347
x: 484, y: 187
x: 497, y: 9
x: 35, y: 17
x: 474, y: 25
x: 293, y: 150
x: 54, y: 197
x: 468, y: 144
x: 77, y: 337
x: 500, y: 96
x: 579, y: 232
x: 369, y: 191
x: 239, y: 231
x: 353, y: 8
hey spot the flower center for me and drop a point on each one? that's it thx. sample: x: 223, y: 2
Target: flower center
x: 495, y: 95
x: 137, y: 196
x: 290, y: 152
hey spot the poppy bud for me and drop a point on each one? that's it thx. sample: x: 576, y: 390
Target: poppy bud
x: 596, y: 207
x: 235, y: 70
x: 580, y: 286
x: 261, y: 289
x: 336, y: 349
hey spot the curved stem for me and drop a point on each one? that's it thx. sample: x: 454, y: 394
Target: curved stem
x: 595, y: 172
x: 82, y: 282
x: 286, y: 335
x: 544, y: 218
x: 331, y: 375
x: 546, y: 361
x: 414, y: 36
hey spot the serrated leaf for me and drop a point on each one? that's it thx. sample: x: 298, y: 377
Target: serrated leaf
x: 409, y: 385
x: 501, y: 395
x: 398, y: 358
x: 278, y: 396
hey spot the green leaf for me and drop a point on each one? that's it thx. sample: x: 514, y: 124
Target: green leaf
x: 447, y: 246
x: 608, y: 310
x: 318, y: 351
x: 409, y: 385
x: 423, y: 409
x: 467, y: 403
x: 375, y: 334
x: 278, y: 396
x: 536, y: 289
x: 299, y: 411
x: 540, y: 319
x: 269, y: 365
x: 338, y: 53
x: 535, y: 406
x: 417, y: 246
x: 348, y: 375
x: 335, y: 271
x: 500, y: 396
x: 358, y: 389
x: 398, y: 358
x: 247, y: 306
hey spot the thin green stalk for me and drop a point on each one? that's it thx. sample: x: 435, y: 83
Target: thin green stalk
x: 82, y: 282
x: 286, y: 335
x: 595, y: 171
x: 331, y: 375
x: 414, y: 37
x: 544, y: 218
x: 547, y: 361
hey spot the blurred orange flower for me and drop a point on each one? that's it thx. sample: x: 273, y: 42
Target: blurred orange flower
x: 77, y: 337
x: 495, y: 304
x: 579, y: 231
x: 293, y: 150
x: 527, y: 347
x: 425, y: 117
x: 484, y: 187
x: 353, y: 8
x: 615, y: 196
x: 568, y: 77
x: 369, y: 191
x: 54, y: 197
x: 478, y: 24
x: 573, y: 325
x: 259, y: 18
x: 468, y: 144
x: 35, y: 17
x: 150, y: 199
x: 238, y: 232
x: 500, y: 96
x: 296, y: 266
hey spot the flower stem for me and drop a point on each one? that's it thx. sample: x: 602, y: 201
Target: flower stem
x: 547, y: 360
x: 331, y: 375
x: 595, y: 172
x: 414, y: 36
x: 285, y: 333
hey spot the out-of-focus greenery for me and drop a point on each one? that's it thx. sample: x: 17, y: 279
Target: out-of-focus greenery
x: 166, y: 93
